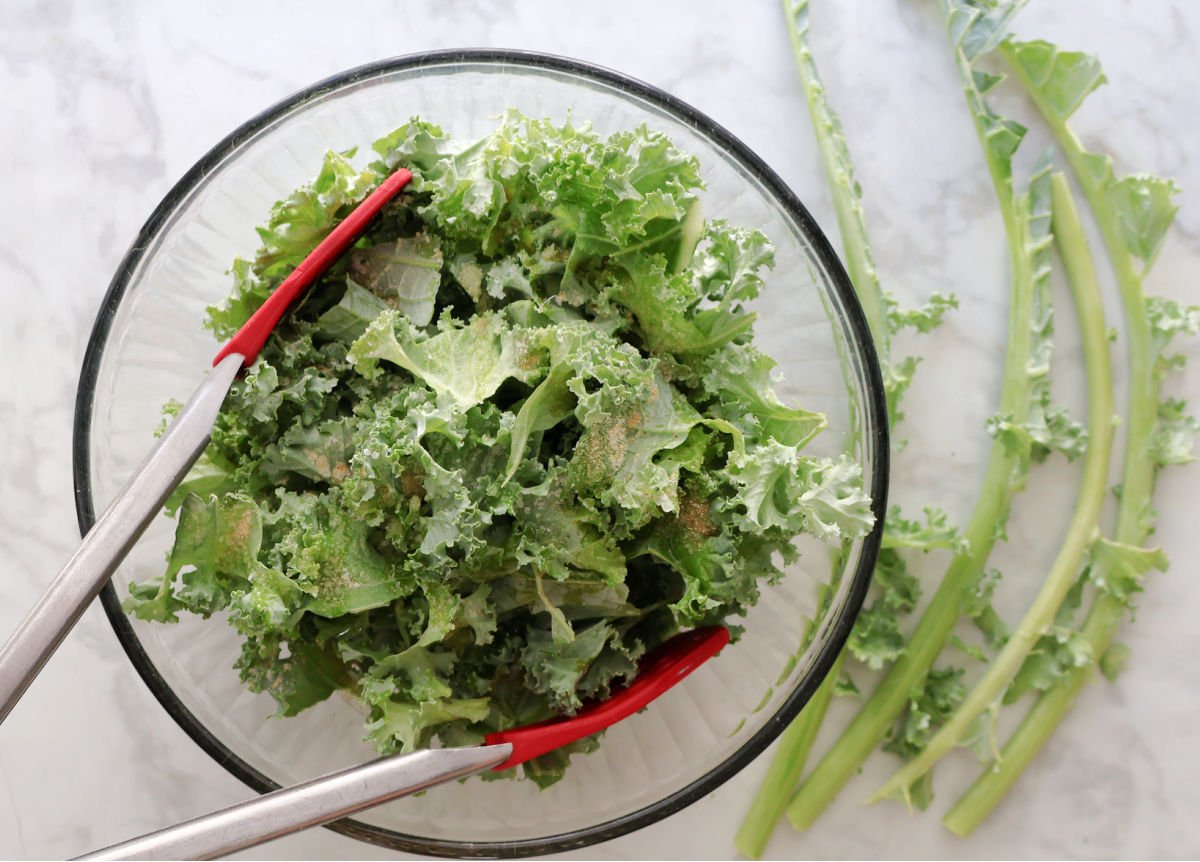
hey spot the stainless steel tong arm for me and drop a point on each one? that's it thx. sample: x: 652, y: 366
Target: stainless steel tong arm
x: 114, y: 533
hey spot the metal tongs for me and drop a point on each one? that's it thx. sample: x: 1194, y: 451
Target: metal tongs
x: 341, y: 793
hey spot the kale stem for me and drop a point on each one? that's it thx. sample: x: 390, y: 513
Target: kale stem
x: 847, y: 201
x: 796, y: 743
x: 1137, y: 482
x: 1003, y: 477
x: 791, y: 754
x: 1077, y: 258
x: 889, y: 698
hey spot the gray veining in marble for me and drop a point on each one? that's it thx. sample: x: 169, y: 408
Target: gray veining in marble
x: 104, y: 105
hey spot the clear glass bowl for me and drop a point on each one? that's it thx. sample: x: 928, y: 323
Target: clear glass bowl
x: 148, y: 346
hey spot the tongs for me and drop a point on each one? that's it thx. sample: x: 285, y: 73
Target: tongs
x: 342, y: 793
x: 136, y: 504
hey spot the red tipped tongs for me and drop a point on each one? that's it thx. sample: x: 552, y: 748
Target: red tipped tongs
x: 342, y: 793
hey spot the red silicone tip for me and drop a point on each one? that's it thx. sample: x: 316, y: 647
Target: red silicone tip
x: 249, y: 340
x: 659, y: 671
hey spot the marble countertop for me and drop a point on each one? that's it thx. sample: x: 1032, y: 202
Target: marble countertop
x: 106, y: 104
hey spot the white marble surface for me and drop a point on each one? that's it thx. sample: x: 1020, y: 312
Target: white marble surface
x: 104, y: 105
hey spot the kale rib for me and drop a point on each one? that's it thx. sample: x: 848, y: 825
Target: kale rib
x: 791, y: 754
x: 1133, y: 215
x: 973, y: 33
x: 835, y: 158
x: 1082, y: 531
x: 883, y: 319
x: 796, y: 742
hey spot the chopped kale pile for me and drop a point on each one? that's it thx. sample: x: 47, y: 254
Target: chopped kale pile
x: 513, y: 440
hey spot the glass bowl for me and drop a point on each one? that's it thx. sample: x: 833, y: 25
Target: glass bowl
x: 148, y: 346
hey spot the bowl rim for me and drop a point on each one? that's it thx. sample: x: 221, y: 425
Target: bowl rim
x: 875, y: 422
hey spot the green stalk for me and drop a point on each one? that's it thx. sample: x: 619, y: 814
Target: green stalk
x: 791, y: 754
x: 1081, y: 532
x: 890, y: 697
x: 1004, y: 475
x: 797, y: 741
x: 1039, y: 724
x: 884, y: 319
x: 1139, y: 466
x: 835, y: 158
